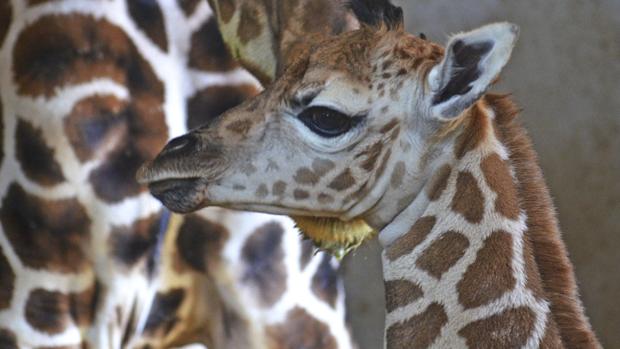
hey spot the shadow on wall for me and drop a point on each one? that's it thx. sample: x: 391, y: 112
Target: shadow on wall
x: 564, y: 75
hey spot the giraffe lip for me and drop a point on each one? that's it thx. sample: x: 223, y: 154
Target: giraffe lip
x: 181, y: 195
x: 164, y: 185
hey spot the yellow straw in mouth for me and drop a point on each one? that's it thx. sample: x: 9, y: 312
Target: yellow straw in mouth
x: 334, y: 235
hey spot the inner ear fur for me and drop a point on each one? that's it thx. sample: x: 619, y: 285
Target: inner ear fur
x: 473, y: 60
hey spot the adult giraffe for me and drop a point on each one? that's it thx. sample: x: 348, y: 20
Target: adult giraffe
x: 89, y: 90
x: 411, y: 143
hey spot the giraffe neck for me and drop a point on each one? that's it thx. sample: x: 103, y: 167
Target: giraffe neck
x: 478, y: 252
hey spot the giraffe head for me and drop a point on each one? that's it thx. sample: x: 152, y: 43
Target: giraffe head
x: 352, y: 118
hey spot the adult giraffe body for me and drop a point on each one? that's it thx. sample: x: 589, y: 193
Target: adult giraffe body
x: 380, y: 125
x: 88, y: 91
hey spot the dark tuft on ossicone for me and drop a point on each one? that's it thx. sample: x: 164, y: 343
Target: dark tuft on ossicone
x: 375, y: 12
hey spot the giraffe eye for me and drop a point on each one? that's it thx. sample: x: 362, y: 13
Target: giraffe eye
x: 327, y: 122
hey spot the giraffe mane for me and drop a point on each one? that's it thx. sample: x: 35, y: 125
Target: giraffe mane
x: 557, y: 275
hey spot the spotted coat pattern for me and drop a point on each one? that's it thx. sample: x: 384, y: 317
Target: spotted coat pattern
x: 89, y: 91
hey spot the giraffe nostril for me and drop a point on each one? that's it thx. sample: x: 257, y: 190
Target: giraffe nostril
x: 180, y: 143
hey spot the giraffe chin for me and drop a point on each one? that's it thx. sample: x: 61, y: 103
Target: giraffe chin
x: 334, y: 235
x: 180, y: 195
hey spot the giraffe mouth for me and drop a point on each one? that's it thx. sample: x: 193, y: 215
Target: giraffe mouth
x: 181, y: 195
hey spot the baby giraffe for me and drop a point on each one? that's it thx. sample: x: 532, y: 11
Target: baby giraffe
x: 379, y: 125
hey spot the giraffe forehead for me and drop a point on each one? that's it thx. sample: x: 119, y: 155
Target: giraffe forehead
x: 348, y: 53
x: 370, y: 55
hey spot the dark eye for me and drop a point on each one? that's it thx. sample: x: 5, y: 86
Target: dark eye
x: 327, y: 122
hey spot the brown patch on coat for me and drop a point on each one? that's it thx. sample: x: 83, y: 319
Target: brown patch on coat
x: 325, y: 198
x: 468, y: 199
x: 490, y: 275
x: 343, y: 181
x: 278, y: 188
x: 200, y: 242
x: 322, y: 166
x: 383, y: 163
x: 95, y: 123
x: 300, y: 330
x: 307, y: 251
x: 474, y: 131
x: 399, y: 293
x: 554, y: 267
x: 115, y: 181
x: 131, y: 244
x: 312, y: 176
x: 263, y: 258
x: 163, y: 315
x: 419, y: 331
x: 498, y: 177
x: 443, y: 253
x: 439, y: 182
x: 148, y: 17
x: 262, y: 191
x: 208, y: 51
x: 208, y: 104
x: 46, y: 234
x: 390, y: 125
x: 509, y: 329
x: 300, y: 194
x: 36, y: 158
x: 76, y: 49
x: 305, y: 175
x: 51, y: 311
x: 394, y: 134
x: 406, y: 243
x: 249, y: 25
x: 6, y: 17
x: 7, y: 281
x: 8, y: 340
x: 188, y: 6
x: 113, y: 130
x: 372, y: 154
x: 325, y: 281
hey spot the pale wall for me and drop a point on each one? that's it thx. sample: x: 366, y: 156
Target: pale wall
x: 565, y: 74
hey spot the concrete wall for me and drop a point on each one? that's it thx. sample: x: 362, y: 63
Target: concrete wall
x: 565, y: 74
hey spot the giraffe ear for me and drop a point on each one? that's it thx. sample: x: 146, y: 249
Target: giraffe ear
x: 376, y: 12
x: 471, y: 63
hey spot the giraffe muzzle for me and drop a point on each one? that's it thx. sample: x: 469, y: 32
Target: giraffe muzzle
x: 182, y: 195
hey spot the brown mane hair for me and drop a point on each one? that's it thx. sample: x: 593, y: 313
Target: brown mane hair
x: 543, y: 233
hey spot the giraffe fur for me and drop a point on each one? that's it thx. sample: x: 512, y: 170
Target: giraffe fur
x: 410, y: 140
x: 89, y: 90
